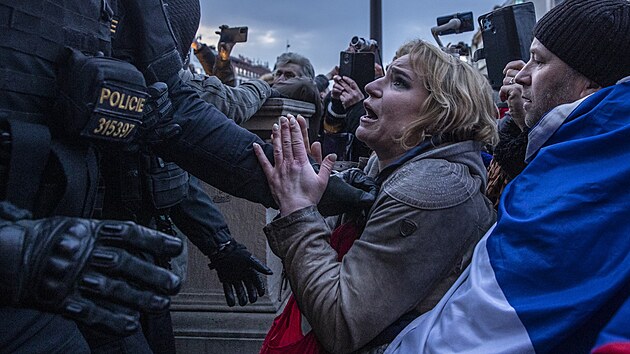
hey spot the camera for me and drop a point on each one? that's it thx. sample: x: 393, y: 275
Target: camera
x: 451, y: 24
x: 361, y: 44
x: 466, y: 23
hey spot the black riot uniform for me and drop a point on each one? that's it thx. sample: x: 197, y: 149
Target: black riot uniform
x: 54, y: 62
x: 142, y: 187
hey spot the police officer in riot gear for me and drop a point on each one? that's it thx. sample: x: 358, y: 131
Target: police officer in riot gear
x: 189, y: 131
x: 166, y: 193
x: 55, y: 260
x: 142, y: 187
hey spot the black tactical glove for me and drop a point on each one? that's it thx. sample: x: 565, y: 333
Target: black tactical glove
x: 144, y: 38
x: 86, y: 270
x: 158, y: 124
x: 341, y: 197
x: 358, y: 179
x: 238, y: 270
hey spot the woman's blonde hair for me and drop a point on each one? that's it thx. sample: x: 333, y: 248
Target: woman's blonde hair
x: 459, y: 106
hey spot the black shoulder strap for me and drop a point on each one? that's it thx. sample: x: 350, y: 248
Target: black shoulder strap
x: 80, y: 167
x: 30, y: 147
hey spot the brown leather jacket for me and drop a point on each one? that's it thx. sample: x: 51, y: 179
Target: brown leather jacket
x: 419, y: 237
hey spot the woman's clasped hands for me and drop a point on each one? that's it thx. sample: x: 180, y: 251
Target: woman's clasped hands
x: 293, y: 182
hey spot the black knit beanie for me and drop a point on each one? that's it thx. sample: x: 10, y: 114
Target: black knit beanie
x: 184, y: 16
x: 591, y: 36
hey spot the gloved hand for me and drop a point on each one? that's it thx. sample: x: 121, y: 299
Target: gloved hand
x: 89, y: 271
x: 158, y: 124
x: 238, y: 270
x: 144, y: 38
x: 358, y: 179
x: 341, y: 197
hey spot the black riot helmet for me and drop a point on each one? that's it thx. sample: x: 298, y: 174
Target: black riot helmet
x: 184, y: 16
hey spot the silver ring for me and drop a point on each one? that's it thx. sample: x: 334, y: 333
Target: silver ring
x: 511, y: 81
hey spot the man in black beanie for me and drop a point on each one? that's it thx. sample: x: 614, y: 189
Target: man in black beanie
x: 553, y: 274
x: 578, y: 48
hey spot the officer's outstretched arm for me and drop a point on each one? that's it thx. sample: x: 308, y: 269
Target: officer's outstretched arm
x: 201, y: 140
x: 90, y: 271
x: 194, y: 134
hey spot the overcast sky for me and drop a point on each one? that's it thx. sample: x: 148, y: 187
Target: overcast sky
x: 320, y: 29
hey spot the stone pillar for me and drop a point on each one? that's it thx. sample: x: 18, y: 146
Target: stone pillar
x: 202, y: 321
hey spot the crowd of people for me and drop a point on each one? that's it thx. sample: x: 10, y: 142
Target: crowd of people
x: 424, y: 246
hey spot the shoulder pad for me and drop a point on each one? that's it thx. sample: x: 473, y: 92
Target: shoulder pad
x: 432, y: 184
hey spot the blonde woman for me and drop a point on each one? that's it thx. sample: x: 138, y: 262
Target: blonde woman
x: 426, y: 121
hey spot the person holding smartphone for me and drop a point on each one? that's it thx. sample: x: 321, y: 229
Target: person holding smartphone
x: 344, y: 105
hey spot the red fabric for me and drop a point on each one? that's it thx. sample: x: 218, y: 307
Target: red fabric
x: 285, y: 335
x: 613, y: 348
x: 502, y: 111
x: 343, y: 237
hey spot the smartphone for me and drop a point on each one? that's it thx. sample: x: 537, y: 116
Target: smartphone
x: 507, y: 33
x: 358, y: 66
x: 233, y: 34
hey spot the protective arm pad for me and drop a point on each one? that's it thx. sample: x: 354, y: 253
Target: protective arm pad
x: 163, y: 67
x: 208, y: 138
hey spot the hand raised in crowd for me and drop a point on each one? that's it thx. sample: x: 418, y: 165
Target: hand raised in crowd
x: 196, y: 44
x: 293, y: 182
x: 347, y: 91
x: 224, y: 48
x: 513, y: 92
